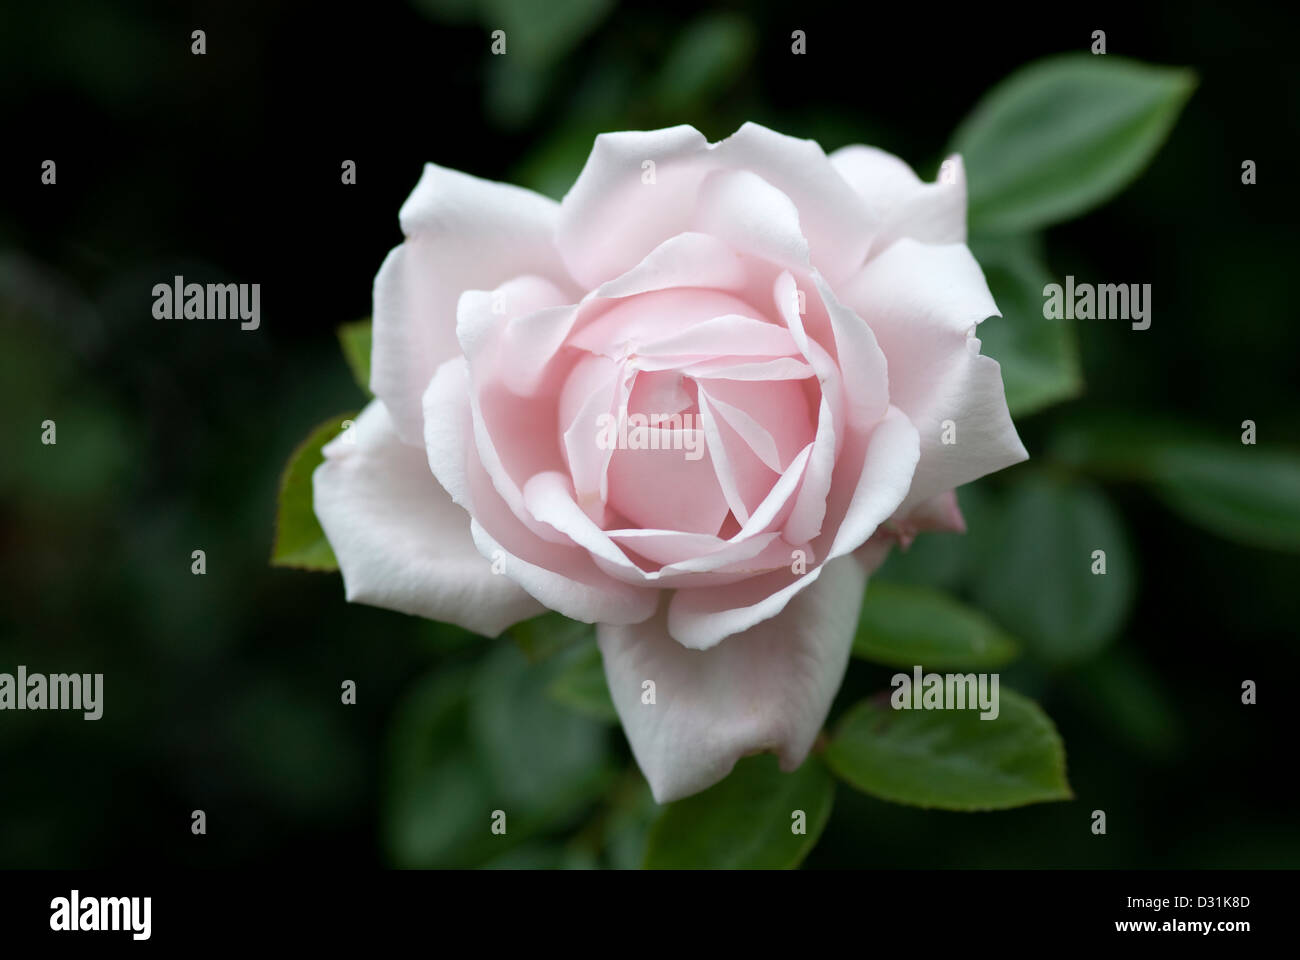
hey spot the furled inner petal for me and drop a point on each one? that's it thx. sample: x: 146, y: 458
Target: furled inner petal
x: 683, y: 411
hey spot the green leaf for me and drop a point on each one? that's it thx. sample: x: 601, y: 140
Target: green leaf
x: 438, y: 801
x: 710, y: 52
x: 1242, y: 493
x: 1039, y: 582
x: 1039, y: 356
x: 746, y: 821
x: 1117, y: 445
x: 903, y: 625
x: 544, y: 636
x: 951, y: 759
x: 545, y: 763
x: 1249, y: 493
x: 935, y: 559
x: 581, y: 685
x: 1063, y: 135
x: 945, y: 560
x: 554, y: 164
x: 299, y: 540
x: 626, y: 825
x: 471, y: 740
x: 540, y: 34
x: 354, y: 338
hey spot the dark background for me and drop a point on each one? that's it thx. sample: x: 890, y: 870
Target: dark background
x: 221, y: 691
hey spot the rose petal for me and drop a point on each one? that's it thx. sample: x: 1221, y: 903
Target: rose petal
x: 768, y: 689
x: 906, y: 205
x: 663, y: 489
x: 615, y: 213
x: 685, y: 260
x: 729, y: 334
x: 836, y: 221
x: 561, y: 576
x: 879, y: 476
x: 752, y: 217
x: 400, y: 541
x: 940, y: 513
x: 883, y: 481
x: 924, y: 302
x: 462, y: 233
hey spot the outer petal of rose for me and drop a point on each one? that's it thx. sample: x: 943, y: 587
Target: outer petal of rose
x: 616, y: 213
x: 906, y: 205
x: 924, y: 302
x: 837, y: 222
x: 400, y: 541
x: 597, y: 246
x: 462, y: 233
x: 767, y: 689
x: 560, y: 575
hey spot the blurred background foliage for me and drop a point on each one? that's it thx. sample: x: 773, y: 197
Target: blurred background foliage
x: 222, y: 691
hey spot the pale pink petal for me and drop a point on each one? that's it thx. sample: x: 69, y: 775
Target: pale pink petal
x: 685, y: 260
x: 755, y: 435
x: 573, y: 586
x: 549, y: 497
x: 400, y: 541
x: 733, y: 368
x: 723, y: 470
x: 805, y: 521
x: 652, y: 178
x: 874, y: 552
x: 780, y: 407
x: 774, y: 512
x: 883, y: 482
x: 752, y: 217
x: 560, y: 575
x: 663, y: 489
x: 906, y: 206
x: 512, y: 333
x: 701, y: 619
x: 462, y: 233
x: 939, y: 513
x: 837, y: 223
x: 923, y: 303
x: 768, y: 689
x: 730, y: 334
x: 863, y: 369
x: 666, y: 546
x: 877, y: 475
x: 661, y: 393
x: 636, y: 190
x: 590, y: 399
x: 649, y: 317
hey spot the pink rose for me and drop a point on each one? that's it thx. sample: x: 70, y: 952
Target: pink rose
x: 693, y: 403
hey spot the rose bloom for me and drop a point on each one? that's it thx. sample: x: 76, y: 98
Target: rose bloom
x: 810, y: 320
